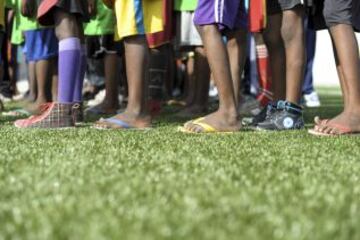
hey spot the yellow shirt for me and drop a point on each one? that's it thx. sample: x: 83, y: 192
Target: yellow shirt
x: 2, y: 15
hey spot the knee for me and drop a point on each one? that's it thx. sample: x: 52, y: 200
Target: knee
x: 200, y: 51
x: 207, y: 29
x: 66, y: 27
x: 273, y: 39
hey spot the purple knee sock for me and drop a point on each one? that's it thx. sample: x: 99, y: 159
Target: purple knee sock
x: 77, y: 97
x: 69, y: 67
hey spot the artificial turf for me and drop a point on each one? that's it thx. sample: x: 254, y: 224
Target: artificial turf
x: 161, y: 184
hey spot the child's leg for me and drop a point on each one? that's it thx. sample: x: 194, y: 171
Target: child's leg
x: 275, y: 44
x: 81, y: 73
x: 190, y: 81
x: 68, y: 33
x: 136, y: 114
x: 32, y: 81
x: 111, y: 102
x: 201, y: 82
x: 54, y: 80
x: 42, y: 71
x: 236, y: 47
x: 226, y: 117
x: 137, y: 60
x: 294, y: 42
x: 202, y: 76
x: 339, y: 19
x: 346, y: 48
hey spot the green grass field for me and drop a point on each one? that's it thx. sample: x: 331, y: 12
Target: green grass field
x: 161, y: 184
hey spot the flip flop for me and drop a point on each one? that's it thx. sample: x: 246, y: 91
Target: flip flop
x: 319, y: 121
x: 117, y: 124
x: 340, y: 131
x: 206, y: 128
x: 174, y: 102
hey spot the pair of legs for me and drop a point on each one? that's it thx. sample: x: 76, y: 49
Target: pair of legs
x: 284, y: 38
x: 110, y: 104
x: 346, y: 52
x: 226, y: 63
x: 136, y: 114
x: 198, y: 77
x: 42, y: 77
x: 71, y: 62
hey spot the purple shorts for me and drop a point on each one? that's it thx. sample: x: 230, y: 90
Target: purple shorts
x: 228, y: 14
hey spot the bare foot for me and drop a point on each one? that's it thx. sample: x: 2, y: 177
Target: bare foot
x: 36, y: 107
x: 220, y: 121
x: 344, y: 122
x: 192, y: 111
x: 128, y: 120
x: 104, y: 108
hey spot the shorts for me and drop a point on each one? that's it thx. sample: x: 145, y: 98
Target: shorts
x: 77, y: 7
x: 98, y: 46
x: 40, y: 44
x: 226, y: 14
x: 2, y: 37
x: 187, y: 34
x: 332, y: 12
x: 138, y: 17
x: 277, y: 6
x: 160, y: 38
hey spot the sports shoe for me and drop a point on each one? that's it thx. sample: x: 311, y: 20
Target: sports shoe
x: 312, y: 100
x: 260, y: 117
x: 287, y: 116
x: 52, y: 115
x: 78, y: 112
x: 249, y: 106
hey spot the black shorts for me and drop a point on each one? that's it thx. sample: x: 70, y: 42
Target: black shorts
x: 329, y: 13
x: 277, y: 6
x: 77, y: 7
x: 98, y: 46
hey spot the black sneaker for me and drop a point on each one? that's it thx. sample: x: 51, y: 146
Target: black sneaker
x: 287, y: 116
x: 265, y: 113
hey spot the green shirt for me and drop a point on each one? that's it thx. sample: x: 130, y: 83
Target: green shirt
x: 21, y: 23
x: 185, y: 5
x: 104, y: 22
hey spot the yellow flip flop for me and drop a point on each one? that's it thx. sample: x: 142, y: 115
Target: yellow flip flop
x: 206, y: 128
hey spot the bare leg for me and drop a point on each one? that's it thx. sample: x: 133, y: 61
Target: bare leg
x: 236, y: 47
x: 191, y: 81
x: 111, y: 102
x: 275, y: 44
x: 136, y: 113
x: 294, y: 42
x: 226, y: 117
x: 32, y: 81
x: 202, y: 79
x: 340, y: 71
x: 54, y: 79
x: 348, y: 57
x: 42, y: 70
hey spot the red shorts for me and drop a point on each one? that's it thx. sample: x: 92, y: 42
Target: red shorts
x: 163, y: 37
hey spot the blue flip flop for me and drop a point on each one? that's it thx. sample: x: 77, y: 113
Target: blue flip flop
x: 121, y: 125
